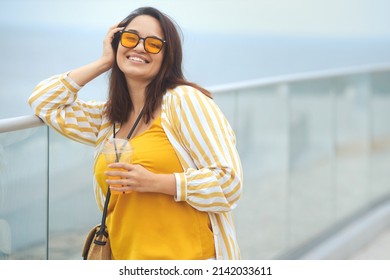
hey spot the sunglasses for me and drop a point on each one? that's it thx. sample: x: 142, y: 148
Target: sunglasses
x: 151, y: 44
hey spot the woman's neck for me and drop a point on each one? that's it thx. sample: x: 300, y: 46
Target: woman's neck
x: 137, y: 92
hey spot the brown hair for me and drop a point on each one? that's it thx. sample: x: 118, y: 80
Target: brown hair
x: 170, y: 75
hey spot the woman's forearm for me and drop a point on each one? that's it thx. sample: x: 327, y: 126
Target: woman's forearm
x: 87, y: 73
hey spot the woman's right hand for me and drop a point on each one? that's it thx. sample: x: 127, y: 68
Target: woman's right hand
x: 108, y: 55
x: 87, y: 73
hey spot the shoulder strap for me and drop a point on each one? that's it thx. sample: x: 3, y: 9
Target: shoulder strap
x: 135, y: 124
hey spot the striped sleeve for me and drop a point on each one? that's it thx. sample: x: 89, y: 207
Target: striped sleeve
x: 55, y: 101
x: 214, y: 184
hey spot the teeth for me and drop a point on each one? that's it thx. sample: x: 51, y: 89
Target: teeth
x: 136, y: 59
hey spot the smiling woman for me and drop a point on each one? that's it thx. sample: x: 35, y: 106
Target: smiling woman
x: 174, y: 198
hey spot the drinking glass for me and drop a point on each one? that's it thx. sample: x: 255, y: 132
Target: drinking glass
x: 117, y: 150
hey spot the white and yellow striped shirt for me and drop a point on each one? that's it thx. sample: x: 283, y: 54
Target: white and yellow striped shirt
x: 196, y: 128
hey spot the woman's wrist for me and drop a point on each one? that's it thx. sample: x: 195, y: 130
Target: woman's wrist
x: 165, y: 183
x: 104, y: 64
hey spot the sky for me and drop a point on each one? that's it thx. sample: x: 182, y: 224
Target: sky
x: 355, y: 18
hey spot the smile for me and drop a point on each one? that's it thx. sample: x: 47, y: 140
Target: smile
x: 137, y: 59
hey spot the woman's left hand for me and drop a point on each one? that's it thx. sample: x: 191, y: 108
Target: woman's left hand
x: 135, y: 177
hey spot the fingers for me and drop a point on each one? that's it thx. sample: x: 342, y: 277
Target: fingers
x: 108, y: 54
x: 120, y: 169
x: 114, y: 29
x: 111, y: 32
x: 117, y: 173
x: 123, y: 189
x: 120, y: 182
x: 134, y: 176
x: 121, y: 186
x: 121, y: 165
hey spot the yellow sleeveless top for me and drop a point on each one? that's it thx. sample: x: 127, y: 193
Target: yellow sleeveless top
x: 144, y: 226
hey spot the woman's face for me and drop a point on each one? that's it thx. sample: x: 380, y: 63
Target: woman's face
x: 136, y: 63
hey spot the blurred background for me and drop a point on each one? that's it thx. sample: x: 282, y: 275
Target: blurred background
x: 305, y: 85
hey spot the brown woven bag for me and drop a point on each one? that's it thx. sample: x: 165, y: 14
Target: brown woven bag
x: 97, y: 245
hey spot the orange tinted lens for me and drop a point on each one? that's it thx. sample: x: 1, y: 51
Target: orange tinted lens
x: 129, y: 40
x: 153, y: 45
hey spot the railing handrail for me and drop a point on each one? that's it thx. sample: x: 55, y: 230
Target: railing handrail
x: 303, y: 76
x: 29, y: 121
x: 18, y: 123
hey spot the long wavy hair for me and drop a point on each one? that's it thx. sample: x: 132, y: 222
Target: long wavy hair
x: 170, y: 75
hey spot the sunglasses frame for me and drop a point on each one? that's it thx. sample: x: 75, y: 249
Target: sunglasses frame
x: 139, y: 39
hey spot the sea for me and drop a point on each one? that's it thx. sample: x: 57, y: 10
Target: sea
x: 30, y: 54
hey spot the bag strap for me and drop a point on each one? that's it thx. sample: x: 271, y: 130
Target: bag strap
x: 108, y: 195
x: 134, y: 125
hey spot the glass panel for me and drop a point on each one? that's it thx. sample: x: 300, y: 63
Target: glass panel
x: 310, y: 195
x: 227, y: 102
x: 380, y: 145
x: 261, y: 128
x: 23, y: 194
x: 352, y: 144
x: 73, y: 210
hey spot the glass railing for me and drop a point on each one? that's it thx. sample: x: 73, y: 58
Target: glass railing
x: 315, y: 150
x: 24, y: 194
x: 46, y: 197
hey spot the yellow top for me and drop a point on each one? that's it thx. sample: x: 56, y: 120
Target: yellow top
x: 151, y: 225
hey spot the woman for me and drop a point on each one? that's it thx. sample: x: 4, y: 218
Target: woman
x: 185, y: 176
